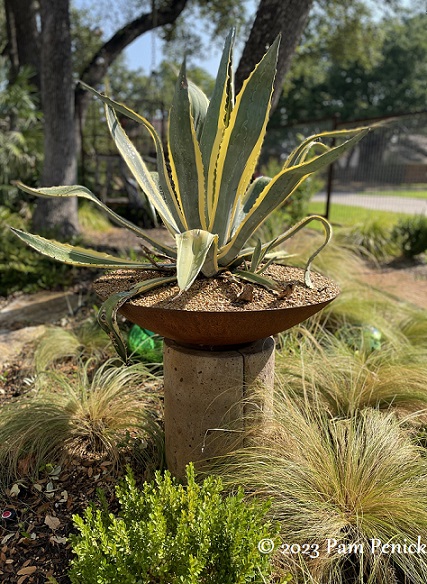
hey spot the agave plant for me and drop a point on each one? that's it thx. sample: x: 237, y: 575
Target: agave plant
x: 208, y: 200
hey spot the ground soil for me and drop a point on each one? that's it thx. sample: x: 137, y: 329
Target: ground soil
x: 406, y: 279
x: 225, y: 292
x: 33, y: 544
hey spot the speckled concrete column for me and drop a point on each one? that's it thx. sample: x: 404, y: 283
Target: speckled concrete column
x: 205, y: 392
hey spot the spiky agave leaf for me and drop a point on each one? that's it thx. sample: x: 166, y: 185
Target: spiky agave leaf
x: 241, y: 143
x: 84, y: 193
x: 185, y: 156
x: 74, y: 255
x: 166, y: 190
x: 107, y: 315
x: 193, y: 247
x: 140, y: 171
x: 275, y: 194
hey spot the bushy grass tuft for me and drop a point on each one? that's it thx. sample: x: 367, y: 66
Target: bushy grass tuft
x: 86, y: 340
x: 349, y: 480
x: 343, y: 379
x: 99, y: 415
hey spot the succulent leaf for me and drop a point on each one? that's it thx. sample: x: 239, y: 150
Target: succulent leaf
x: 276, y: 193
x: 84, y: 193
x: 186, y: 158
x: 75, y: 255
x: 294, y: 229
x: 247, y: 202
x: 139, y: 169
x: 199, y: 107
x: 241, y: 143
x: 166, y: 190
x: 193, y: 247
x: 257, y: 279
x: 297, y: 155
x: 217, y: 117
x: 107, y: 315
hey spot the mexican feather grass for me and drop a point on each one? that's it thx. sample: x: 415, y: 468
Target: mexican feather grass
x: 343, y: 380
x: 348, y: 481
x: 109, y: 413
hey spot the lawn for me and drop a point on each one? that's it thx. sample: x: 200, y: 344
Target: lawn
x: 346, y: 215
x: 419, y: 193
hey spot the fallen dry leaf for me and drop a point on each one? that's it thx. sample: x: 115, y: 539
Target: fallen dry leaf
x: 64, y: 497
x: 14, y: 490
x: 286, y: 292
x: 6, y: 538
x: 52, y: 522
x: 246, y: 294
x: 58, y: 539
x: 26, y: 571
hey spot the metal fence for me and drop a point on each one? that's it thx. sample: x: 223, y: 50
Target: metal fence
x: 386, y: 171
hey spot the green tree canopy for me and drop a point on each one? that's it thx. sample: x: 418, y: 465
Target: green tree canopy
x: 366, y: 69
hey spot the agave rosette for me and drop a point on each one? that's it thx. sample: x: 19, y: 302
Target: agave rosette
x: 208, y: 200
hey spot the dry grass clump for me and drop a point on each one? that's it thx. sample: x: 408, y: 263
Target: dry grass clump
x: 110, y: 414
x: 343, y: 380
x: 86, y: 340
x: 350, y: 480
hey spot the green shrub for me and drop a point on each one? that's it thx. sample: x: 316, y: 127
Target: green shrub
x: 168, y: 534
x: 410, y: 234
x: 369, y: 239
x: 21, y: 269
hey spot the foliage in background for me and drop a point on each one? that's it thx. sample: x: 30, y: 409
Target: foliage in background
x: 170, y: 533
x: 347, y: 374
x: 21, y: 270
x: 21, y: 140
x: 346, y: 480
x: 110, y: 413
x: 371, y: 239
x: 410, y: 235
x: 92, y: 219
x: 333, y: 76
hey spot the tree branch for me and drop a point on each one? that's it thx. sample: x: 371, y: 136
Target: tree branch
x: 97, y: 68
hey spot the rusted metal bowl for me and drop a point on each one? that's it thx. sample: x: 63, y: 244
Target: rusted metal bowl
x: 209, y: 328
x: 218, y: 328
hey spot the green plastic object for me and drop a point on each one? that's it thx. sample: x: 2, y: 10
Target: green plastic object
x: 143, y: 342
x: 372, y: 338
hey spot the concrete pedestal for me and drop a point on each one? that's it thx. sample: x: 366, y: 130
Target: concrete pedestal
x: 207, y: 396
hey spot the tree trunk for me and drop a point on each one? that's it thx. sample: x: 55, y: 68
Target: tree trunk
x: 273, y: 17
x: 59, y: 168
x: 23, y: 38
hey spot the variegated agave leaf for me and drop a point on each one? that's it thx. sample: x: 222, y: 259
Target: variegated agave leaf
x: 107, y: 315
x: 84, y: 193
x: 76, y: 256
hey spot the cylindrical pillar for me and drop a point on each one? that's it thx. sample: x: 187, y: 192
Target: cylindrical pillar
x: 207, y: 396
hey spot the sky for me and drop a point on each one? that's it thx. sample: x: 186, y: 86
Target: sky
x: 140, y: 54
